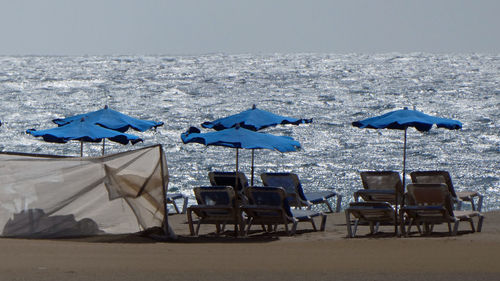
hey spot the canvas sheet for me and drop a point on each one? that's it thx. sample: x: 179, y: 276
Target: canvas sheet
x: 48, y: 196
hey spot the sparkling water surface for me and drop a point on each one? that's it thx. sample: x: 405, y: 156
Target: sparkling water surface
x: 334, y: 90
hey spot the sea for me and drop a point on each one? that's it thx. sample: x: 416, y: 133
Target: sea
x: 332, y: 89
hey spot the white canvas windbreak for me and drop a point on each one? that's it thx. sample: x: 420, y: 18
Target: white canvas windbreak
x: 48, y: 196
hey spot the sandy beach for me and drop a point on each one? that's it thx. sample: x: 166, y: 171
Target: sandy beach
x: 308, y: 255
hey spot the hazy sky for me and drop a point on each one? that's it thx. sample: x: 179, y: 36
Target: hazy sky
x: 100, y: 27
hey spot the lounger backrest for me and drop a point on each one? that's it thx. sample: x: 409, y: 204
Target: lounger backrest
x: 383, y: 180
x: 268, y: 196
x: 434, y: 177
x: 288, y: 181
x: 431, y: 194
x: 228, y: 179
x: 215, y: 195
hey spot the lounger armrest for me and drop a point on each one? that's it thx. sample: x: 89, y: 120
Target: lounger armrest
x: 261, y: 208
x: 423, y: 208
x: 209, y: 207
x: 368, y: 192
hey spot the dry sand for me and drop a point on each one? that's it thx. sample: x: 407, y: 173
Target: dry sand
x: 306, y: 256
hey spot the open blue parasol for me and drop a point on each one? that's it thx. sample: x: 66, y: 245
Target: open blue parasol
x: 241, y: 138
x: 84, y: 131
x: 111, y: 119
x: 403, y: 119
x: 254, y: 119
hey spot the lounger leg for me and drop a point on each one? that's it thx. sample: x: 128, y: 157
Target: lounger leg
x: 348, y: 224
x: 480, y: 203
x: 198, y: 227
x: 323, y: 222
x: 339, y: 203
x: 250, y: 220
x: 313, y: 224
x: 472, y: 225
x: 455, y: 229
x: 294, y: 227
x: 472, y: 203
x: 328, y: 205
x: 480, y: 223
x: 355, y: 227
x: 190, y: 222
x: 175, y: 207
x: 409, y: 228
x: 184, y: 205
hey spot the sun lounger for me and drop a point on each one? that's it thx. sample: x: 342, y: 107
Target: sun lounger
x: 444, y: 177
x: 373, y: 213
x: 431, y: 204
x: 216, y: 205
x: 380, y: 186
x: 172, y: 198
x: 296, y: 195
x: 269, y: 206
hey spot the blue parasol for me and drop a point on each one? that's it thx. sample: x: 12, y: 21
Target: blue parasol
x: 84, y: 131
x: 253, y: 119
x: 111, y: 119
x: 401, y: 120
x: 241, y: 138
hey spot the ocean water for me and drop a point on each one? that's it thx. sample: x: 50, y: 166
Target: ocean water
x: 334, y: 90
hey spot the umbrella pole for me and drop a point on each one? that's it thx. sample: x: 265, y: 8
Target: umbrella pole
x: 103, y: 143
x: 236, y: 178
x: 253, y: 151
x: 81, y: 148
x: 404, y: 187
x: 236, y: 173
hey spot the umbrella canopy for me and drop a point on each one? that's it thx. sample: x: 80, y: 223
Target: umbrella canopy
x: 111, y: 119
x: 83, y: 131
x: 402, y: 120
x: 241, y: 138
x: 253, y: 119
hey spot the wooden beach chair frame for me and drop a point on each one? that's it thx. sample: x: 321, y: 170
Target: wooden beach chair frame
x: 220, y: 211
x: 444, y: 177
x: 373, y: 213
x: 431, y: 204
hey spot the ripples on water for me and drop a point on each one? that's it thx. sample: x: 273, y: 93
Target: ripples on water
x: 333, y: 89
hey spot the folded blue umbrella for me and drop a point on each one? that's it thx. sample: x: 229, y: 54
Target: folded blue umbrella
x: 111, y: 119
x: 253, y: 119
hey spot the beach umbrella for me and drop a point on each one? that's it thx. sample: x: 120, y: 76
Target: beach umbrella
x: 237, y: 137
x: 403, y: 119
x: 111, y: 119
x: 254, y: 119
x: 84, y: 131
